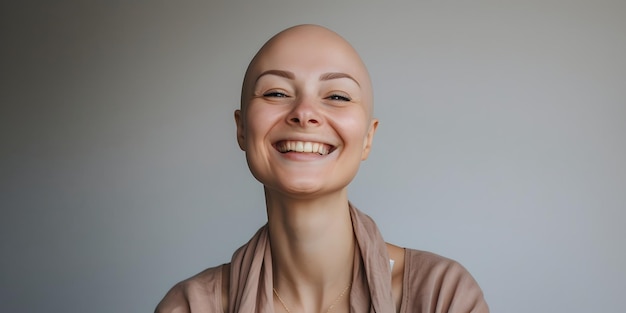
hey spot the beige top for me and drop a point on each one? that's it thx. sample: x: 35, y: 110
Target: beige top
x: 431, y: 282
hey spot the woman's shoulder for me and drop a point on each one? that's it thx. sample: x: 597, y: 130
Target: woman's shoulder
x: 199, y: 293
x: 428, y: 259
x: 432, y: 280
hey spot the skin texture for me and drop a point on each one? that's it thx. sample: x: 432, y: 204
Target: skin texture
x: 306, y: 84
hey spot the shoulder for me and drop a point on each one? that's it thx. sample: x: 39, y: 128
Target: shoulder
x: 439, y: 284
x: 428, y: 263
x: 200, y: 293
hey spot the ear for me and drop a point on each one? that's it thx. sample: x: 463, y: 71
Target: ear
x: 367, y: 142
x: 240, y: 130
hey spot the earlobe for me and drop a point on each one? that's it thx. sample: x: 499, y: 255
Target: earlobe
x: 240, y: 130
x: 367, y: 142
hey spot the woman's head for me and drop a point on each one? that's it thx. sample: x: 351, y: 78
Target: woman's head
x: 305, y: 121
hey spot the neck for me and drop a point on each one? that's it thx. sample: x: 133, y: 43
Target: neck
x: 312, y: 244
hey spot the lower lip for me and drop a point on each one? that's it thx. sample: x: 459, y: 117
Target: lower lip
x: 302, y: 156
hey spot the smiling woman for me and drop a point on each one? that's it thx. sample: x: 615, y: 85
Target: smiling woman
x: 305, y: 124
x: 305, y: 87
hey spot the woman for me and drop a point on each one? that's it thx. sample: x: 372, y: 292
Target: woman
x: 305, y: 124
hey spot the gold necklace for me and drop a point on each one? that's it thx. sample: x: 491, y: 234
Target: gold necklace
x: 329, y: 308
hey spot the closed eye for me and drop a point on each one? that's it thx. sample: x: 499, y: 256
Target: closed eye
x: 275, y: 94
x: 338, y: 98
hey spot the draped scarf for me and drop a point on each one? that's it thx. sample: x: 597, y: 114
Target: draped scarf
x: 251, y: 272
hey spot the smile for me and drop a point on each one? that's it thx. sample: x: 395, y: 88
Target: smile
x: 285, y: 146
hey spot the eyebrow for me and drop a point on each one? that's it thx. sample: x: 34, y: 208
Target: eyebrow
x: 336, y: 75
x: 285, y: 74
x: 323, y: 77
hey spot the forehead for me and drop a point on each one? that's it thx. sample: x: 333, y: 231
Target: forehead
x: 304, y: 51
x: 308, y: 51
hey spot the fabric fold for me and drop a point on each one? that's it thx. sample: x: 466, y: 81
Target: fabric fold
x: 251, y: 272
x: 375, y: 258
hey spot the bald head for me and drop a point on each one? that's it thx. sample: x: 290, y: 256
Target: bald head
x: 308, y: 50
x: 306, y: 113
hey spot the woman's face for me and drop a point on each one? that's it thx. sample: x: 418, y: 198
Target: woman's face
x: 306, y: 123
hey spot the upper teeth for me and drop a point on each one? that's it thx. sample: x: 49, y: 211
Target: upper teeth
x: 303, y: 146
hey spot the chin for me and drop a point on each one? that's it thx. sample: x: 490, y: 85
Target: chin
x: 304, y: 189
x: 301, y: 189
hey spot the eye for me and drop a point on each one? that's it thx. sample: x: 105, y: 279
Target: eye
x: 275, y: 94
x: 337, y: 97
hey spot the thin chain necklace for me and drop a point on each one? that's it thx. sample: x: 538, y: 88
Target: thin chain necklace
x: 329, y: 308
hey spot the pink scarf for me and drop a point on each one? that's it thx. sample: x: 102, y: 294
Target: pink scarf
x: 251, y: 272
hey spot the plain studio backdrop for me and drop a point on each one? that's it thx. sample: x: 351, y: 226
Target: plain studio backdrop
x: 501, y: 144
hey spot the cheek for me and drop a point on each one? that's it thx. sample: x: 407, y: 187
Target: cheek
x: 259, y: 121
x: 353, y: 128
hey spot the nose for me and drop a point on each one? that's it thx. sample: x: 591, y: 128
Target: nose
x: 304, y: 114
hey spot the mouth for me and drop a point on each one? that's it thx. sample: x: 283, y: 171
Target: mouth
x: 285, y: 146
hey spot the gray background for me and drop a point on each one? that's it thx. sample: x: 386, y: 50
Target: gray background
x: 501, y: 144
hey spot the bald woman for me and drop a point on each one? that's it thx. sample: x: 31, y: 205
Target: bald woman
x: 305, y: 124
